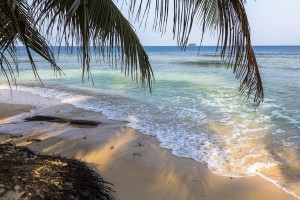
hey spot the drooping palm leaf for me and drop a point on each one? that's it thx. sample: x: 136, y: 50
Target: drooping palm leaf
x: 227, y: 17
x: 17, y: 25
x: 100, y: 24
x: 96, y: 26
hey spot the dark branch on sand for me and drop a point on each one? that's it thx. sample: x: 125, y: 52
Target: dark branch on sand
x: 63, y: 120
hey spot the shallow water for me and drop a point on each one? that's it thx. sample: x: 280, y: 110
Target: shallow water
x: 195, y: 108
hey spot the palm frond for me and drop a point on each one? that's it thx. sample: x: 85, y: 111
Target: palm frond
x: 96, y: 27
x: 17, y: 25
x: 225, y: 17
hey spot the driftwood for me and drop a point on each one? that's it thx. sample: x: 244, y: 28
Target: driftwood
x: 63, y: 120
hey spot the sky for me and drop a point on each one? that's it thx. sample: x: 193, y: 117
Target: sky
x: 272, y: 22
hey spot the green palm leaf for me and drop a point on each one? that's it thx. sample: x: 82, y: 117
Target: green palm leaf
x: 17, y: 25
x: 226, y: 17
x: 96, y: 27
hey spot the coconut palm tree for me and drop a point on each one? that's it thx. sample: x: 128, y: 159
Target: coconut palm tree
x: 98, y: 27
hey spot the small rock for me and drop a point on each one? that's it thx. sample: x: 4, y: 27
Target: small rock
x: 1, y: 191
x: 136, y: 154
x: 140, y: 144
x: 17, y: 188
x: 1, y: 185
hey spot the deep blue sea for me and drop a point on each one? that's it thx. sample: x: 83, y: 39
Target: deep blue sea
x: 195, y: 108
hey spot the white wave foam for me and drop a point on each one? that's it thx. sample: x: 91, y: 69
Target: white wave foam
x: 278, y: 114
x: 278, y: 131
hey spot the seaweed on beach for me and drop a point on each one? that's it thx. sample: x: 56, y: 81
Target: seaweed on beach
x: 27, y: 175
x: 34, y: 140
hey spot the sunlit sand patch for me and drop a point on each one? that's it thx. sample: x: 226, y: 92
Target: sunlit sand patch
x: 104, y: 153
x: 57, y: 147
x: 10, y: 119
x: 168, y: 180
x: 41, y: 135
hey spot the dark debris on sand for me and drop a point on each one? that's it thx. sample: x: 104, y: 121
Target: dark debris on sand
x: 26, y: 175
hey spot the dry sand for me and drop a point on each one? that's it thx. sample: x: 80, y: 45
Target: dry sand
x: 9, y: 110
x: 133, y: 162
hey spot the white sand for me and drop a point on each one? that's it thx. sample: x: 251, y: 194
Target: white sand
x: 133, y: 162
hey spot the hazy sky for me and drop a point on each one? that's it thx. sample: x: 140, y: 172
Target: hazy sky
x: 273, y: 22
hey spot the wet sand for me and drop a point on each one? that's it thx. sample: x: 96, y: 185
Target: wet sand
x: 133, y: 162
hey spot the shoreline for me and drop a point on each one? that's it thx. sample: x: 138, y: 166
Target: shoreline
x: 135, y: 163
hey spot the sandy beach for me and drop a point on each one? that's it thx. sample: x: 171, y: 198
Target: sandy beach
x: 133, y: 162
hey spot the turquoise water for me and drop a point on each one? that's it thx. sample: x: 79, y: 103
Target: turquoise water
x: 195, y: 108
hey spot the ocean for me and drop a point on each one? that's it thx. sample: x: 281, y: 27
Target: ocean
x: 195, y: 108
